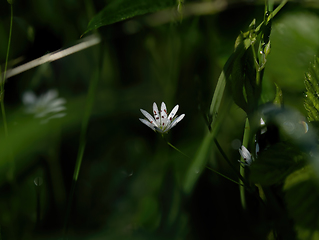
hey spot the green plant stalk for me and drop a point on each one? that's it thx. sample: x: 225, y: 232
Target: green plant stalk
x: 200, y: 158
x: 4, y: 78
x: 272, y: 15
x: 207, y: 166
x: 4, y: 118
x: 242, y: 168
x: 281, y: 5
x: 270, y: 5
x: 177, y: 149
x: 88, y: 110
x: 228, y: 161
x: 225, y: 176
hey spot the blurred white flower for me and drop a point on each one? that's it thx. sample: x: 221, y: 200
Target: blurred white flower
x: 161, y: 122
x: 263, y: 126
x: 245, y: 154
x: 47, y: 106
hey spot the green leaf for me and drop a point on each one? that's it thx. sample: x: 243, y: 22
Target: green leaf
x: 198, y: 164
x: 242, y: 79
x: 302, y: 202
x: 275, y: 164
x: 217, y: 97
x: 278, y: 97
x: 294, y: 42
x: 312, y: 91
x: 119, y: 10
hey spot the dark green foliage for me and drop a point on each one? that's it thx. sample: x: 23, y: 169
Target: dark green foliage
x: 294, y: 42
x: 240, y: 71
x: 312, y: 91
x: 302, y: 197
x: 119, y: 10
x: 275, y: 163
x: 132, y: 185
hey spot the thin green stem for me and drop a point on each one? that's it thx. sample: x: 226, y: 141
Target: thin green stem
x: 4, y: 77
x: 256, y: 62
x: 270, y: 5
x: 258, y: 78
x: 10, y: 174
x: 228, y: 161
x: 225, y: 176
x: 177, y: 149
x: 207, y: 166
x: 281, y: 5
x: 242, y: 169
x: 271, y: 16
x: 88, y: 110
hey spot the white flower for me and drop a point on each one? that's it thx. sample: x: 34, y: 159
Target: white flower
x: 245, y: 154
x: 257, y: 149
x: 263, y: 126
x: 47, y: 106
x: 161, y: 122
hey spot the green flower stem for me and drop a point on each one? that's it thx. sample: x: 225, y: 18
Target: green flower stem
x: 224, y: 155
x: 228, y: 161
x: 4, y: 118
x: 281, y: 5
x: 88, y: 109
x: 269, y: 4
x: 4, y: 78
x: 272, y: 15
x: 242, y: 168
x: 176, y: 149
x: 225, y: 176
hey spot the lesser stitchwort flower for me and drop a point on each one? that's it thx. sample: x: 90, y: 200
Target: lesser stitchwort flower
x: 246, y: 156
x: 46, y: 106
x: 161, y: 122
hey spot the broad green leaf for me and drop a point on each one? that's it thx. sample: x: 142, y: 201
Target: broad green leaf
x: 312, y: 94
x: 119, y: 10
x: 294, y: 42
x: 302, y: 202
x: 225, y: 78
x: 198, y: 164
x: 275, y: 164
x: 240, y: 74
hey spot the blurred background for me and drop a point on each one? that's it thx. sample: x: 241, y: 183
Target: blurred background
x: 130, y: 185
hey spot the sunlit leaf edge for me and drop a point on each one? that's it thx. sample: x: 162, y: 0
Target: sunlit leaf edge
x: 118, y: 11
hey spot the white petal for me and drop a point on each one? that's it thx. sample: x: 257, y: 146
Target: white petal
x: 156, y: 114
x: 257, y: 149
x: 149, y: 117
x: 49, y: 110
x: 263, y: 125
x: 59, y: 115
x: 163, y: 115
x: 172, y: 114
x: 56, y: 102
x: 147, y: 123
x: 244, y: 153
x: 49, y: 96
x: 28, y: 98
x: 177, y: 120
